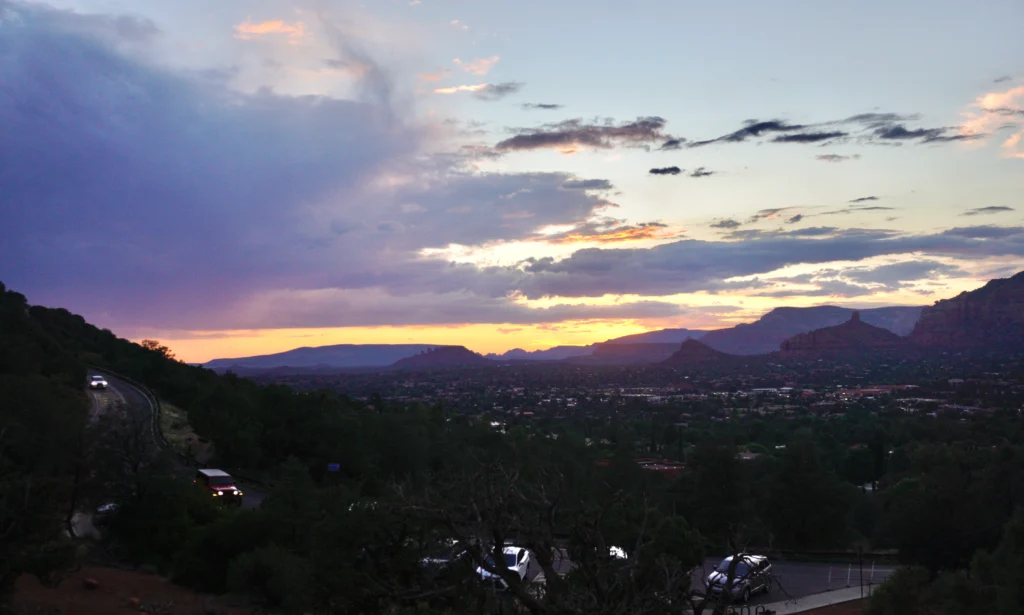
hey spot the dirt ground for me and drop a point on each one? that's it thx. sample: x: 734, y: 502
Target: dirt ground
x: 179, y: 434
x: 117, y: 592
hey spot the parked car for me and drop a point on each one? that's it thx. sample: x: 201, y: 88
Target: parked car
x: 104, y: 514
x: 97, y: 382
x: 220, y: 485
x: 517, y: 559
x: 751, y: 574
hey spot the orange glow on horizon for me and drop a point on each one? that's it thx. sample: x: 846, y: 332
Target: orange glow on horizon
x: 196, y: 347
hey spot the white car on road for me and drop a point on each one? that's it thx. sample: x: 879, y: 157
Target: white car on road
x: 97, y: 382
x: 517, y: 559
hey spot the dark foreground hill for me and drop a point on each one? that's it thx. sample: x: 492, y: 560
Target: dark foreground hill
x: 626, y: 354
x: 768, y: 332
x: 989, y: 318
x: 694, y: 353
x: 443, y: 356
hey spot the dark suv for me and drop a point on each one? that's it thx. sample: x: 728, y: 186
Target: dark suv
x: 751, y: 574
x: 220, y: 485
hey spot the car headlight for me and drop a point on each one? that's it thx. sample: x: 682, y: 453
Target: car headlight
x: 216, y: 493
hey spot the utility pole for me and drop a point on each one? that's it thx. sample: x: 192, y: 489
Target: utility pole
x: 860, y: 556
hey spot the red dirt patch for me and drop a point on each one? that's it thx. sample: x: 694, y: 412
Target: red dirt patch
x: 113, y: 595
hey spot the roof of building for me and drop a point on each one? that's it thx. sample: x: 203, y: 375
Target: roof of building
x: 212, y: 472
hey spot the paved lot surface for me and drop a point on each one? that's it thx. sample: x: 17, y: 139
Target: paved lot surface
x: 799, y: 579
x: 793, y: 579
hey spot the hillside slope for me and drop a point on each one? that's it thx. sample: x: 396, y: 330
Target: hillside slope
x: 626, y: 354
x: 662, y: 336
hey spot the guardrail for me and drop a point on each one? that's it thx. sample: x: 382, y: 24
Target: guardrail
x: 157, y: 427
x: 154, y: 403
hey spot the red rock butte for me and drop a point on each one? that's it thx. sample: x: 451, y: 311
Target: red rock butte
x: 853, y: 335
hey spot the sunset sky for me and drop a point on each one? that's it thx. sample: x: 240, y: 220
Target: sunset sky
x: 238, y: 177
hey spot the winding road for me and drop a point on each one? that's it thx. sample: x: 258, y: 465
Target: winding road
x: 119, y: 391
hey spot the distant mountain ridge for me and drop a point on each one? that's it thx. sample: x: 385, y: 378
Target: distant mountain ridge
x: 661, y: 336
x: 337, y: 355
x: 556, y: 353
x: 760, y: 337
x: 767, y: 333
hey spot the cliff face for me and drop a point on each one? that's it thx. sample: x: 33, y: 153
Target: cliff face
x: 990, y: 317
x: 853, y: 335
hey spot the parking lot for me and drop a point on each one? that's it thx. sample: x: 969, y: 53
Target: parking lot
x: 792, y: 579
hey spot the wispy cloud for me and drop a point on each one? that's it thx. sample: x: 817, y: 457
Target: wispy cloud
x: 480, y: 66
x: 795, y: 219
x: 768, y: 214
x: 864, y: 128
x: 899, y: 132
x: 987, y: 211
x: 455, y: 23
x: 541, y: 106
x: 727, y: 223
x: 702, y: 172
x: 1002, y: 79
x: 576, y: 134
x: 863, y: 199
x: 836, y: 157
x: 666, y: 171
x: 752, y: 129
x: 484, y: 91
x: 497, y: 91
x: 248, y: 30
x: 998, y: 110
x: 810, y: 137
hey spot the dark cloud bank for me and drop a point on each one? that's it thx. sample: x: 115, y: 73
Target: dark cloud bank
x: 205, y: 208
